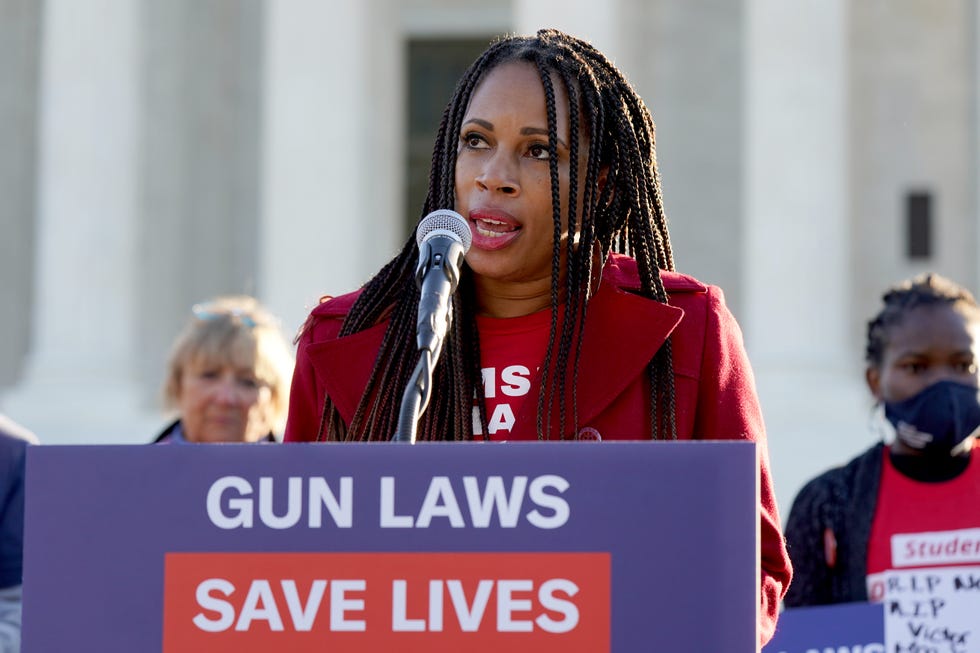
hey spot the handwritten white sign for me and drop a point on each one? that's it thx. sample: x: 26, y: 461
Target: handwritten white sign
x: 931, y: 610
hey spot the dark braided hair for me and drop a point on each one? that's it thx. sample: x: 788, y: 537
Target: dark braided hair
x: 624, y: 215
x: 924, y: 290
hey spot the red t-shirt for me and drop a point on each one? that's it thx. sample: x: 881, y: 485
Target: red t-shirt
x: 924, y: 560
x: 918, y: 524
x: 511, y: 353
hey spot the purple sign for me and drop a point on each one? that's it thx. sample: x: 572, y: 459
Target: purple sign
x: 851, y: 627
x: 531, y: 546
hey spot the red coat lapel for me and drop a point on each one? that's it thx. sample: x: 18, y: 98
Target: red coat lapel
x: 343, y: 366
x: 623, y: 331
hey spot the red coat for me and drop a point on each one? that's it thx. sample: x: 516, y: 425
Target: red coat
x: 715, y: 389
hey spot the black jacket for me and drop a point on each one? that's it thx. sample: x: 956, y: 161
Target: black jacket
x: 843, y: 500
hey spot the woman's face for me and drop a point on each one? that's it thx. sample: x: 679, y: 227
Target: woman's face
x: 931, y: 343
x: 503, y: 182
x: 222, y: 403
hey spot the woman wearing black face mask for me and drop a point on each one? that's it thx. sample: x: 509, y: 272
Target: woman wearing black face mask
x: 913, y: 503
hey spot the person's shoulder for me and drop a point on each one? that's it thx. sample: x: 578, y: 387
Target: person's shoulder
x: 168, y: 433
x: 859, y: 464
x: 331, y: 307
x: 840, y: 479
x: 678, y: 283
x: 14, y: 433
x: 622, y: 271
x: 326, y: 318
x: 14, y: 440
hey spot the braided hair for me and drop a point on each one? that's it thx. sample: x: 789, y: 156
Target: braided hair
x: 928, y: 289
x: 624, y: 215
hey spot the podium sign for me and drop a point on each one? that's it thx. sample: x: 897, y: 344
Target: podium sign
x: 850, y: 627
x: 381, y: 547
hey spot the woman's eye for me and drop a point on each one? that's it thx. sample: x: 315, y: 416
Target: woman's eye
x: 248, y: 382
x: 538, y: 151
x: 474, y: 141
x: 209, y: 374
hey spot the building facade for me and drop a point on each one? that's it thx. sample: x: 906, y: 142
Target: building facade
x: 157, y: 154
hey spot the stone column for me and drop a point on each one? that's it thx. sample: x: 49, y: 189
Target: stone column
x: 797, y: 236
x: 20, y: 32
x: 976, y: 136
x: 332, y: 155
x: 597, y: 22
x: 79, y: 384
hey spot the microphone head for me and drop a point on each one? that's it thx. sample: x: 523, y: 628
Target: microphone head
x: 445, y: 222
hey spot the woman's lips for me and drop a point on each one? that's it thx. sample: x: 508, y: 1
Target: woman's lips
x: 493, y: 229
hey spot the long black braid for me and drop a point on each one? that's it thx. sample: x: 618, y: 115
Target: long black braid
x: 924, y: 290
x: 625, y: 215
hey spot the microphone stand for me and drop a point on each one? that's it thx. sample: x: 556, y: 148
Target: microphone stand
x: 418, y: 391
x: 419, y: 388
x: 441, y: 251
x: 415, y: 399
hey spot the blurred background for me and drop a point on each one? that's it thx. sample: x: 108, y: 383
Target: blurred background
x: 155, y: 154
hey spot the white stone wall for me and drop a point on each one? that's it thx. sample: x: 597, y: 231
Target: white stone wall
x: 189, y: 148
x: 79, y: 376
x: 912, y: 117
x: 797, y: 250
x: 19, y: 65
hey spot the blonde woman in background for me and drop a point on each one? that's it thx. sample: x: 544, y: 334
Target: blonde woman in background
x: 228, y: 375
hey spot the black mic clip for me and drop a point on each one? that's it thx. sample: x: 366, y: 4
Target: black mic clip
x: 443, y: 237
x: 437, y: 276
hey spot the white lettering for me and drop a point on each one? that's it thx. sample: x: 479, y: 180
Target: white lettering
x: 230, y: 506
x: 548, y: 600
x: 477, y: 424
x: 242, y: 517
x: 494, y: 496
x: 226, y: 613
x: 303, y: 617
x: 340, y: 605
x: 515, y: 378
x: 507, y: 605
x: 554, y: 503
x: 259, y: 604
x: 489, y: 375
x: 388, y: 517
x: 294, y: 503
x: 469, y: 617
x: 502, y: 419
x: 435, y: 606
x: 515, y: 607
x: 399, y: 608
x: 440, y: 501
x: 341, y: 510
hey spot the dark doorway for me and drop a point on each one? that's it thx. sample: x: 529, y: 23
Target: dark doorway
x: 434, y: 66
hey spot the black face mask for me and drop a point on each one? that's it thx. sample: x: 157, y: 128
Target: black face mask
x: 938, y: 420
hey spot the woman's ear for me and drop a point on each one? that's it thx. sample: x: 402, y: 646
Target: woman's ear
x: 603, y: 178
x: 872, y: 377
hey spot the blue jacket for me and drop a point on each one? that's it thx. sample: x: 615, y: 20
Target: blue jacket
x: 13, y: 450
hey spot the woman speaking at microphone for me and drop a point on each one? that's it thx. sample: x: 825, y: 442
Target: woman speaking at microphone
x: 569, y: 321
